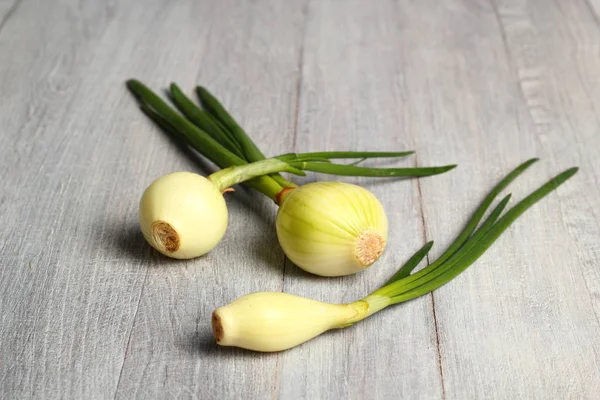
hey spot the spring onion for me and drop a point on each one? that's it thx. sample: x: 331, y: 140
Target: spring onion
x: 326, y: 228
x: 273, y: 321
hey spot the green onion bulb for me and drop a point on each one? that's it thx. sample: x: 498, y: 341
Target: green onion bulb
x: 273, y: 321
x: 331, y: 228
x: 183, y: 215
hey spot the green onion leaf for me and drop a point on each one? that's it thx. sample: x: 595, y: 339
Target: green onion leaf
x: 222, y: 118
x: 465, y: 248
x: 411, y: 264
x: 353, y: 154
x: 469, y: 254
x: 204, y: 121
x: 210, y: 147
x: 349, y: 170
x: 479, y: 213
x: 161, y: 122
x: 216, y: 109
x: 358, y: 161
x: 195, y: 137
x: 494, y: 215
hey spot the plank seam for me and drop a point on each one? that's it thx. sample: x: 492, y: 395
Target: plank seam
x: 296, y: 123
x: 593, y: 12
x: 10, y: 13
x: 508, y: 54
x: 300, y: 73
x: 435, y: 321
x: 130, y: 335
x: 513, y: 67
x: 424, y: 240
x: 438, y: 343
x: 205, y: 46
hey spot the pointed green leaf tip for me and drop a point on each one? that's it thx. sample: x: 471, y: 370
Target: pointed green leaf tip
x: 470, y: 244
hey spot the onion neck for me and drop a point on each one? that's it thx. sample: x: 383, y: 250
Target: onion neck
x: 364, y: 308
x: 256, y: 176
x: 376, y: 303
x: 281, y: 197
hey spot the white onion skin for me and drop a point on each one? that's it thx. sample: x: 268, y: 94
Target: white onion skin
x: 183, y: 215
x: 332, y: 228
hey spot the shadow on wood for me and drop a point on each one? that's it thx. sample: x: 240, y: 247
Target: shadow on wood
x: 202, y: 344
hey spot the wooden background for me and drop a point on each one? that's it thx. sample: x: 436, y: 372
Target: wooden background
x: 89, y: 311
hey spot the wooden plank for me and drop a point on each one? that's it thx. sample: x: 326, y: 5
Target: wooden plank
x: 75, y: 159
x: 520, y: 324
x: 560, y: 84
x: 87, y: 310
x: 350, y: 100
x: 77, y: 348
x: 247, y: 54
x: 7, y: 9
x: 69, y: 285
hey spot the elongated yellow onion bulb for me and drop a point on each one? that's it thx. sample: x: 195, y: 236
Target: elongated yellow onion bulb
x: 272, y: 321
x: 183, y: 215
x: 332, y: 228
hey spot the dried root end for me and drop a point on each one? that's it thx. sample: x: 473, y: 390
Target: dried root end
x: 217, y: 327
x: 165, y: 236
x: 369, y: 247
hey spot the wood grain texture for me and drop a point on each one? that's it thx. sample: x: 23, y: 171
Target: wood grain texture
x: 348, y: 99
x: 517, y: 324
x: 248, y: 57
x: 7, y: 10
x: 69, y: 276
x: 89, y: 311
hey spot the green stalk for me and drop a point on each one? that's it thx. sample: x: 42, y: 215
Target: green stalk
x: 196, y: 137
x: 463, y: 259
x: 230, y: 176
x: 215, y: 110
x: 350, y: 170
x: 233, y: 134
x: 214, y: 107
x: 204, y: 121
x: 214, y: 151
x: 218, y: 131
x: 161, y: 122
x: 480, y: 211
x: 439, y: 273
x: 411, y: 264
x: 350, y: 154
x: 437, y: 267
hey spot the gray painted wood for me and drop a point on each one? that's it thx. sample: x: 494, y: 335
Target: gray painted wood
x: 522, y: 322
x: 7, y: 9
x: 347, y: 99
x: 87, y: 310
x: 171, y: 353
x: 71, y: 271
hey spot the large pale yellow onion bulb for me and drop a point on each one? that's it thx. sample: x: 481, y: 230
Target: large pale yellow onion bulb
x: 183, y: 215
x: 332, y: 228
